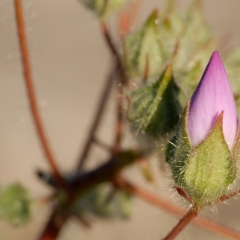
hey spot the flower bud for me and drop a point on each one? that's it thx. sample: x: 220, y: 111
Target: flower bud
x: 203, y: 155
x: 212, y: 96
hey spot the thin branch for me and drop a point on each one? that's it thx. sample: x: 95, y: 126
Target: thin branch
x: 97, y: 119
x: 115, y: 53
x: 32, y: 95
x: 54, y: 225
x: 170, y: 208
x: 149, y: 197
x: 102, y: 144
x: 226, y: 197
x: 122, y: 80
x: 104, y: 173
x: 190, y: 215
x: 217, y: 228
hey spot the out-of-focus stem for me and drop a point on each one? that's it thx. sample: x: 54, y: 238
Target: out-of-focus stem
x: 54, y: 226
x: 122, y: 80
x: 115, y: 53
x: 97, y: 119
x: 32, y: 95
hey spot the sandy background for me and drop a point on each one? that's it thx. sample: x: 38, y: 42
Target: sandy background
x: 70, y: 61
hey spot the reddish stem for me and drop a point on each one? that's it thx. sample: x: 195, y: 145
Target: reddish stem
x: 32, y: 95
x: 149, y: 197
x: 119, y: 64
x: 97, y: 119
x: 122, y: 80
x: 170, y: 208
x: 190, y: 215
x: 54, y: 226
x: 226, y: 197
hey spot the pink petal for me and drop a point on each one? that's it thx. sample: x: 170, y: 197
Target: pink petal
x: 212, y: 96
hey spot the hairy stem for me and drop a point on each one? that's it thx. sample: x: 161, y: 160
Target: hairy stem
x: 226, y: 197
x: 190, y: 215
x: 32, y: 95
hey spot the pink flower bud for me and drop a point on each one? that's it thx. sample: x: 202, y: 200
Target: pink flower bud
x: 212, y: 96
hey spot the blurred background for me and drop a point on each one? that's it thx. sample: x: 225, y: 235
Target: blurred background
x: 70, y: 62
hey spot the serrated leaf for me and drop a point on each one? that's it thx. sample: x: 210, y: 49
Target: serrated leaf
x: 154, y: 108
x: 15, y: 204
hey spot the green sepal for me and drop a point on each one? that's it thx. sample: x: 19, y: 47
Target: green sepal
x: 103, y: 8
x: 144, y: 47
x: 210, y: 169
x: 179, y: 149
x: 15, y: 204
x: 155, y: 108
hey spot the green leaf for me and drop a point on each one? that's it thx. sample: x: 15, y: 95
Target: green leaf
x: 145, y: 47
x: 181, y: 37
x: 103, y: 8
x: 154, y: 108
x: 15, y: 204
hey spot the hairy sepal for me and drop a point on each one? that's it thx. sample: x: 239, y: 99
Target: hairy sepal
x: 204, y: 172
x: 210, y: 169
x: 178, y: 150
